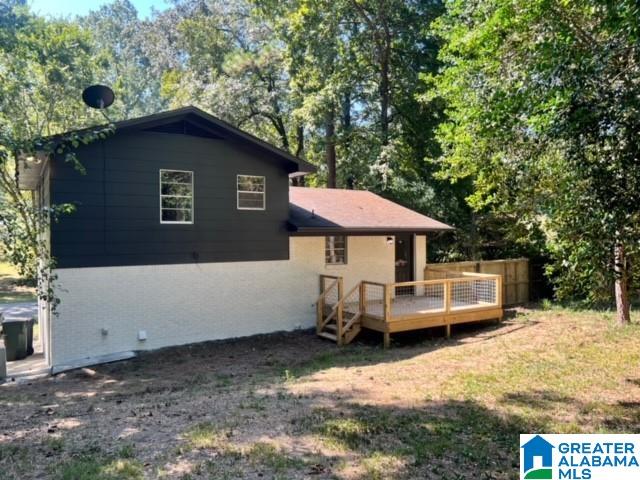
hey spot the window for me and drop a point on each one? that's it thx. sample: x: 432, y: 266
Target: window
x: 176, y: 196
x: 251, y: 192
x: 335, y: 250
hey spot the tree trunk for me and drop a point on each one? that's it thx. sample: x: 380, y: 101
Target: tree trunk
x: 622, y: 285
x: 474, y: 236
x: 346, y: 111
x: 346, y: 132
x: 384, y: 88
x: 330, y: 148
x: 300, y: 140
x: 299, y: 181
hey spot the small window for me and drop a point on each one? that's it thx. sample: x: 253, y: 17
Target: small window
x: 251, y: 190
x: 335, y: 250
x: 176, y: 196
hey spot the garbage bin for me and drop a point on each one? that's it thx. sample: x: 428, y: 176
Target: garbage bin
x: 30, y: 324
x: 14, y: 333
x: 3, y: 361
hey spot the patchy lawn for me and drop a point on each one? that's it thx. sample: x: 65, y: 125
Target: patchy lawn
x: 291, y: 406
x: 12, y: 286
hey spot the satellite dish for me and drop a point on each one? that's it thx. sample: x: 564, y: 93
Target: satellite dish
x: 98, y: 96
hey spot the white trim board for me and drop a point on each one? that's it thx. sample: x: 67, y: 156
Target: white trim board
x: 86, y: 362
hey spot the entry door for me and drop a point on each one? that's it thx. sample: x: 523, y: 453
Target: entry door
x: 404, y: 262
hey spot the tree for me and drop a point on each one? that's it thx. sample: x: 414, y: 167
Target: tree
x: 233, y: 66
x: 44, y: 66
x: 356, y: 67
x: 337, y: 82
x: 121, y: 43
x: 318, y: 39
x: 543, y: 108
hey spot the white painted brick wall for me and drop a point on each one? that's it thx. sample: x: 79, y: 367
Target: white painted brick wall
x: 179, y: 304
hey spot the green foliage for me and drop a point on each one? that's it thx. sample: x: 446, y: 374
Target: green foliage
x: 227, y: 60
x: 96, y: 467
x: 44, y: 65
x: 543, y: 107
x: 516, y: 122
x: 123, y: 53
x: 285, y: 70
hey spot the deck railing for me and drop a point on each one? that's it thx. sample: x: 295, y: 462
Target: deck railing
x: 461, y: 292
x: 460, y: 297
x: 339, y: 314
x: 331, y: 288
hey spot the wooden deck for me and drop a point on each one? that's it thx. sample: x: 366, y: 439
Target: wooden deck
x: 399, y: 307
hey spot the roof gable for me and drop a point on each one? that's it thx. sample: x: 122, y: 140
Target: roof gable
x: 193, y: 121
x: 184, y: 127
x: 197, y: 122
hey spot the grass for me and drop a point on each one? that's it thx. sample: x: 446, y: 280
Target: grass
x: 90, y: 462
x: 17, y: 297
x: 427, y: 408
x: 93, y: 467
x: 205, y: 436
x: 12, y: 287
x: 272, y: 457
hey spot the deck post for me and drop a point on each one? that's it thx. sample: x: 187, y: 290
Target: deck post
x: 339, y: 324
x: 387, y: 302
x: 447, y: 295
x: 447, y: 305
x: 386, y: 342
x: 319, y: 313
x: 500, y: 295
x: 339, y: 319
x: 363, y: 293
x: 320, y: 306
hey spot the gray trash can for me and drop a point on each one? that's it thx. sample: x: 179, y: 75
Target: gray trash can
x: 14, y: 333
x: 30, y: 324
x: 3, y: 361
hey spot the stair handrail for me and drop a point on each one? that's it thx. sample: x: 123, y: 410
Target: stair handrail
x: 344, y: 328
x: 336, y: 283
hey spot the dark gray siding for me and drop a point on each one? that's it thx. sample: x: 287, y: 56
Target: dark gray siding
x: 117, y: 221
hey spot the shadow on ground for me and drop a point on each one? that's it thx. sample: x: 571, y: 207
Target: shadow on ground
x: 230, y: 410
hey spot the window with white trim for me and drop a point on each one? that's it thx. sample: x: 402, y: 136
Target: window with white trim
x: 335, y: 250
x: 251, y: 192
x: 176, y: 196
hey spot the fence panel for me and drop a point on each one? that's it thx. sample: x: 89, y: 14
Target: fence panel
x: 515, y: 274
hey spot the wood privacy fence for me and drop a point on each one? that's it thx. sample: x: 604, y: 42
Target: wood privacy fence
x: 514, y: 271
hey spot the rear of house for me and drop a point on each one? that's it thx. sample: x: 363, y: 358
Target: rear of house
x: 186, y: 229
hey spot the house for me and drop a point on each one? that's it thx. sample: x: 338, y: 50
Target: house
x: 538, y: 447
x: 186, y: 229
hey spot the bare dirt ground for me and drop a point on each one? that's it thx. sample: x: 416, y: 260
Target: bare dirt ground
x: 292, y: 406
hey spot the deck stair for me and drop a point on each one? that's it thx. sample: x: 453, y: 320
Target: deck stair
x: 459, y: 297
x: 338, y: 315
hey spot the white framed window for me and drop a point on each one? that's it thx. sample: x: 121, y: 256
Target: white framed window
x: 335, y: 250
x: 251, y: 192
x: 176, y: 196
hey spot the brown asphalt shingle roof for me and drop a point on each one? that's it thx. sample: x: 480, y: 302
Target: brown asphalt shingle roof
x: 326, y: 210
